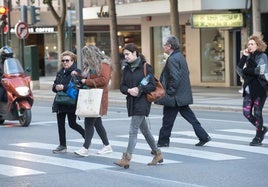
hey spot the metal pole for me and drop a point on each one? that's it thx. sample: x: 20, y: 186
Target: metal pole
x: 9, y: 24
x: 79, y: 30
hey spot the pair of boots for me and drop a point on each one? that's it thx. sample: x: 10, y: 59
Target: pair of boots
x: 125, y: 161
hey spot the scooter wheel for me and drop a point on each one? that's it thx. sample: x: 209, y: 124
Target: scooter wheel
x: 26, y: 118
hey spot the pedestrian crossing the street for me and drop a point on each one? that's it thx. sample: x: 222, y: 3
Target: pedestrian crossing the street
x: 226, y: 145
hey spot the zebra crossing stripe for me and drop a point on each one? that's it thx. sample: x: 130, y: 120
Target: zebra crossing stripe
x: 242, y: 131
x: 114, y: 155
x: 221, y: 136
x: 180, y: 151
x: 80, y: 165
x: 213, y: 143
x: 15, y: 171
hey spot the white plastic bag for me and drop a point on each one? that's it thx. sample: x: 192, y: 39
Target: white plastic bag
x: 89, y: 102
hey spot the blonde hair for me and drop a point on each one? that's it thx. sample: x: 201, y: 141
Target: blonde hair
x: 258, y: 38
x: 92, y: 58
x: 69, y: 53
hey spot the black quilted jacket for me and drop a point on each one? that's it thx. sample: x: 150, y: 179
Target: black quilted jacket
x: 175, y: 79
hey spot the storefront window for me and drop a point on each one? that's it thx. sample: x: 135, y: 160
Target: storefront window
x: 51, y: 54
x: 159, y: 33
x: 212, y: 56
x: 101, y: 40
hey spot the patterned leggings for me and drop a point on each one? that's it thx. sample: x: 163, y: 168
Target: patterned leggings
x: 252, y: 110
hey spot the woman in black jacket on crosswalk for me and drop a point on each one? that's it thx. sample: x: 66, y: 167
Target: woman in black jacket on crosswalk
x: 137, y: 105
x: 61, y: 82
x: 253, y: 67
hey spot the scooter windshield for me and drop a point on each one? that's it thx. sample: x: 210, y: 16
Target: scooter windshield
x: 13, y: 66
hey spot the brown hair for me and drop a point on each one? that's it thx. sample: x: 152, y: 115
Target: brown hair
x: 259, y: 41
x: 133, y: 47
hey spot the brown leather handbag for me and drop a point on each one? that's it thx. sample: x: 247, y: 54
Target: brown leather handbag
x: 159, y: 91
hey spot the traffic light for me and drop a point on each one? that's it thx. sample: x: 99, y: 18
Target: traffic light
x: 23, y: 13
x: 35, y: 14
x: 3, y: 19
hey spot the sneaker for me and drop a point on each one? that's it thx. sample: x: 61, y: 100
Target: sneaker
x: 82, y: 152
x: 256, y: 142
x: 203, y: 142
x: 263, y: 133
x: 60, y: 149
x: 105, y: 149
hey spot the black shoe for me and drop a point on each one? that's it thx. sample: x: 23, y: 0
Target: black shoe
x: 256, y: 142
x: 163, y: 145
x: 60, y: 149
x: 203, y: 142
x: 263, y: 133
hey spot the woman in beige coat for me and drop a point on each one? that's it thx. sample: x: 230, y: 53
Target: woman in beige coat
x: 96, y: 74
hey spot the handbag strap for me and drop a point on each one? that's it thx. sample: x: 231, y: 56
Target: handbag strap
x: 145, y: 69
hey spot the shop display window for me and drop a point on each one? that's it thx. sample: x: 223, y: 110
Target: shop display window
x: 159, y: 33
x: 212, y: 56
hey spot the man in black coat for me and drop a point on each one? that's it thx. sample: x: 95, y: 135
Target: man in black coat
x: 175, y: 79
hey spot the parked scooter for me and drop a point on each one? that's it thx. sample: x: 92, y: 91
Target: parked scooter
x: 17, y: 101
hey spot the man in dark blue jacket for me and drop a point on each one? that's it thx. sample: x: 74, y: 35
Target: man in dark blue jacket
x: 175, y: 79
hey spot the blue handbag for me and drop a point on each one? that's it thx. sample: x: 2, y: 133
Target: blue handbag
x: 72, y: 91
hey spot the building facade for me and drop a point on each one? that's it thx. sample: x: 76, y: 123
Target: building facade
x: 212, y: 49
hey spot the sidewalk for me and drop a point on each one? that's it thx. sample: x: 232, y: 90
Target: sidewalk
x: 209, y: 98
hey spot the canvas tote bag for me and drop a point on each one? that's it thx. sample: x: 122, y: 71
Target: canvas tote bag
x: 89, y: 102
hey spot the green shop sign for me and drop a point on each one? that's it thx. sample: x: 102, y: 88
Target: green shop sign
x: 217, y: 20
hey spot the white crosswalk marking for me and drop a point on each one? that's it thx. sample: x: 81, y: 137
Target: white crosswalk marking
x: 238, y: 137
x: 63, y: 162
x: 213, y: 143
x: 242, y: 131
x: 114, y: 155
x: 224, y: 137
x: 14, y: 171
x: 188, y: 152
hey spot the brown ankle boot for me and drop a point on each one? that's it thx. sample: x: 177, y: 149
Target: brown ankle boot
x: 125, y: 161
x: 158, y: 158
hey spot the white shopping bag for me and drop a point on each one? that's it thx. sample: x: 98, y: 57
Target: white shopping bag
x: 89, y: 102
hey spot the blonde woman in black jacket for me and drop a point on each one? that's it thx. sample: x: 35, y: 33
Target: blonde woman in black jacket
x: 61, y: 82
x: 253, y: 67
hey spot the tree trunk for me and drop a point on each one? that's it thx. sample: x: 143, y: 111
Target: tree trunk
x: 115, y: 82
x: 174, y: 18
x: 60, y: 19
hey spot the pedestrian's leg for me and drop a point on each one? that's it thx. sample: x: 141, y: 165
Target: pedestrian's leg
x: 133, y: 132
x: 62, y: 134
x: 158, y: 157
x: 148, y: 135
x: 61, y: 128
x: 101, y: 131
x: 247, y: 109
x: 132, y: 141
x: 74, y: 125
x: 89, y: 131
x: 258, y: 104
x: 189, y: 116
x: 169, y: 116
